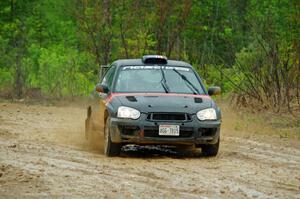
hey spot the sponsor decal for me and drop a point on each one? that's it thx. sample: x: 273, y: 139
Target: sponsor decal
x: 155, y: 68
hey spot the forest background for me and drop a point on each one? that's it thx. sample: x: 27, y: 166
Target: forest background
x: 250, y: 48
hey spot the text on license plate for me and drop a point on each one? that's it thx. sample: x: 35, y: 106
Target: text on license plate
x: 171, y: 130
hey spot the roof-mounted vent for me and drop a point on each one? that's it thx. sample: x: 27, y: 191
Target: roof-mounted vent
x: 155, y: 59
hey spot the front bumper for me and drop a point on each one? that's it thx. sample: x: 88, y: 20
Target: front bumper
x: 143, y: 131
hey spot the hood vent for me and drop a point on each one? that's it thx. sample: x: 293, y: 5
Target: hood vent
x: 198, y: 100
x: 131, y: 98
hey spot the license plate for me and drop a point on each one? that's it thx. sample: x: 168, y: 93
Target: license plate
x: 170, y: 130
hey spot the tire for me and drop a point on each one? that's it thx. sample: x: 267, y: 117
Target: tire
x: 88, y: 127
x: 210, y: 150
x: 110, y: 149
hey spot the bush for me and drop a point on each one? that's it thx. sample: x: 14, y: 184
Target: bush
x: 267, y: 73
x: 63, y: 72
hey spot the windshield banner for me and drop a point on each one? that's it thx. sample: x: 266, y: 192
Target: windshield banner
x: 155, y: 68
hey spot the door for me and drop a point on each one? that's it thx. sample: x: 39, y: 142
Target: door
x: 100, y: 105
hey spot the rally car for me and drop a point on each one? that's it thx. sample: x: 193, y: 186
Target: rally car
x: 154, y: 101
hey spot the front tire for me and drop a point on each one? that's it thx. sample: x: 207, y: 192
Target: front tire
x: 110, y: 149
x: 211, y: 150
x: 88, y: 126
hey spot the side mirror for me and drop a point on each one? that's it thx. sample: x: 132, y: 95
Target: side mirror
x: 100, y: 88
x: 215, y: 90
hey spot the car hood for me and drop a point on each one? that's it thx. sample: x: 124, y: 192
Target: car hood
x: 165, y: 102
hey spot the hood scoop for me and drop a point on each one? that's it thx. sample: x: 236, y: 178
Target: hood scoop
x: 131, y: 98
x: 198, y: 100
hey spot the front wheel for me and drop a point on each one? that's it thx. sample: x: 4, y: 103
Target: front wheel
x: 110, y: 148
x: 210, y: 150
x: 88, y: 128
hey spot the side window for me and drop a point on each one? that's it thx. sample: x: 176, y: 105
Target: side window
x: 108, y: 78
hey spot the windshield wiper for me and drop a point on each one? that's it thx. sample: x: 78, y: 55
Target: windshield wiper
x: 163, y: 81
x: 191, y: 86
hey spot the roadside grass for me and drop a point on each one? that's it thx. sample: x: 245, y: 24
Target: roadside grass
x: 79, y: 101
x: 247, y: 122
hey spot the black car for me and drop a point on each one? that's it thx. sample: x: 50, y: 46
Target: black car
x: 157, y: 101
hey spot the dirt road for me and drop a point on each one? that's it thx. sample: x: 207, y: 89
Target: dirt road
x: 43, y: 153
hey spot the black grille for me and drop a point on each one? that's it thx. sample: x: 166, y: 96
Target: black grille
x: 168, y: 117
x: 129, y: 130
x: 207, y: 131
x: 153, y: 132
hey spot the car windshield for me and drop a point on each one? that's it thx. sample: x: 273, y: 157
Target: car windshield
x: 158, y: 79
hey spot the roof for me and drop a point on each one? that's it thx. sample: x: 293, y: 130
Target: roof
x: 138, y: 62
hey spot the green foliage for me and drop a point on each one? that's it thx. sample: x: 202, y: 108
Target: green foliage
x: 217, y: 75
x: 61, y: 72
x: 266, y: 70
x: 6, y: 78
x: 58, y: 46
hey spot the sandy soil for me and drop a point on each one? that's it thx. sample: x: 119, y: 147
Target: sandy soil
x: 43, y: 154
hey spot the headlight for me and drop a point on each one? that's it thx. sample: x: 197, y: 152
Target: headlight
x: 207, y: 114
x: 127, y: 112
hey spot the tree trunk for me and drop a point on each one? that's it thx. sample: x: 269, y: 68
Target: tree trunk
x: 107, y: 37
